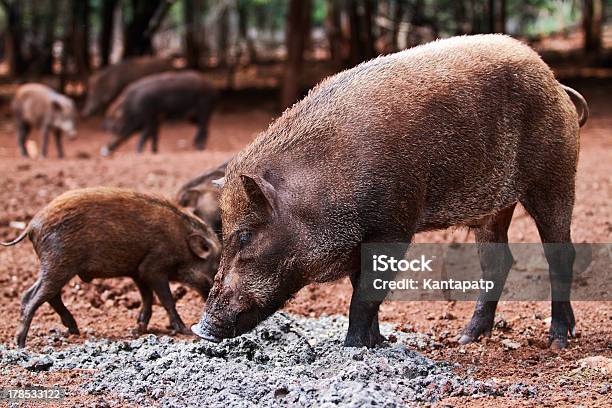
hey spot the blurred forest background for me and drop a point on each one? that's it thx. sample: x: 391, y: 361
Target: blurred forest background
x: 286, y: 45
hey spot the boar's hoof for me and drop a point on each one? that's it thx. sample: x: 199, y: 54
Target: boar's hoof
x: 105, y: 151
x: 558, y: 343
x: 368, y: 341
x: 140, y: 329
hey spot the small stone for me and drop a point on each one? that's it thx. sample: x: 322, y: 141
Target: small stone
x: 510, y: 345
x: 43, y: 363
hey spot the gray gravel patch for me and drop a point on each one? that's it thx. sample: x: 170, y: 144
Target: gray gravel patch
x: 286, y: 361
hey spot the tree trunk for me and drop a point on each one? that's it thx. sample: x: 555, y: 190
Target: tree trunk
x: 80, y: 36
x: 243, y: 31
x: 491, y: 15
x: 299, y: 12
x: 192, y: 49
x: 223, y: 34
x: 107, y: 22
x: 356, y: 50
x: 14, y: 37
x: 397, y: 21
x: 368, y: 29
x: 147, y: 15
x: 592, y: 23
x: 334, y: 32
x: 501, y: 18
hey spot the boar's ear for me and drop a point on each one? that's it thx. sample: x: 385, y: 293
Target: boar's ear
x: 200, y: 245
x: 260, y: 193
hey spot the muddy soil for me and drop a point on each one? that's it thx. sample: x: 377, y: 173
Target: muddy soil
x: 516, y: 353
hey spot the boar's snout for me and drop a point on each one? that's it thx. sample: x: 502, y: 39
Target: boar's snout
x: 229, y: 313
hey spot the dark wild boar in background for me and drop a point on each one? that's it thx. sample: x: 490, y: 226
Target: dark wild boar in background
x: 454, y: 132
x: 144, y: 104
x: 104, y: 86
x: 38, y: 106
x: 108, y: 233
x: 201, y: 195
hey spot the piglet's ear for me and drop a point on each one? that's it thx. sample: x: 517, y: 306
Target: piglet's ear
x: 200, y: 245
x: 261, y: 194
x: 56, y: 105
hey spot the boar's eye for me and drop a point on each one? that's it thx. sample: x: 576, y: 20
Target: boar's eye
x: 244, y: 238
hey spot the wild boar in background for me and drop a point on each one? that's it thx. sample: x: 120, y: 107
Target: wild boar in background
x: 454, y: 132
x: 107, y: 233
x: 145, y: 103
x: 39, y: 106
x: 201, y: 195
x: 104, y: 86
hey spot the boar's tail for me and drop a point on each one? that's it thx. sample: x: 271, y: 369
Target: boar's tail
x: 584, y: 107
x: 18, y: 239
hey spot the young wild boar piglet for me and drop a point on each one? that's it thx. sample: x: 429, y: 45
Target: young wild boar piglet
x: 109, y: 232
x: 38, y: 106
x: 202, y: 195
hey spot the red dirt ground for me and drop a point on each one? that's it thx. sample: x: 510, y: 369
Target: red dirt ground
x: 109, y: 308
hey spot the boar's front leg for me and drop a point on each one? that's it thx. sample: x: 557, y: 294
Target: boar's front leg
x: 45, y: 141
x: 363, y: 319
x: 117, y: 141
x: 495, y: 262
x: 58, y: 143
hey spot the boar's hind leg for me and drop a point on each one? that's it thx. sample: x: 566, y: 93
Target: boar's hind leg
x: 42, y: 291
x: 23, y: 129
x: 363, y: 320
x: 495, y: 262
x: 67, y: 318
x: 202, y: 134
x: 150, y: 132
x: 145, y: 311
x: 553, y: 219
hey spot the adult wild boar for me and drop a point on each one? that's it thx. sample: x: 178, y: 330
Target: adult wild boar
x: 202, y: 196
x: 39, y: 106
x: 105, y: 85
x: 107, y: 233
x: 454, y: 132
x: 148, y: 101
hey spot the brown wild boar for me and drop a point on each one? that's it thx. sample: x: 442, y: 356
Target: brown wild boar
x: 107, y: 233
x: 454, y: 132
x: 201, y: 195
x: 148, y: 101
x: 39, y: 106
x: 104, y: 86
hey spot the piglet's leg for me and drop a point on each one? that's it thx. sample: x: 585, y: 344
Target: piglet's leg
x: 145, y: 312
x: 161, y: 288
x: 45, y: 141
x: 58, y: 143
x: 67, y: 318
x: 23, y: 129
